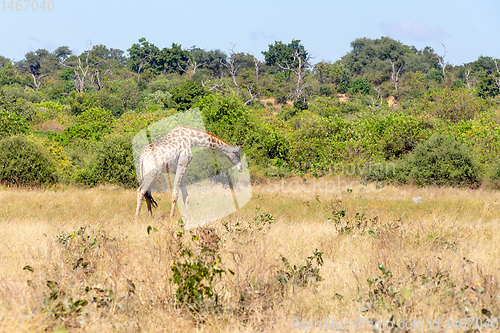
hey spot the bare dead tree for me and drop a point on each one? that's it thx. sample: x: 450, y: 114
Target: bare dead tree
x: 298, y: 70
x: 495, y: 78
x: 191, y: 65
x: 379, y: 96
x: 395, y: 74
x: 194, y: 65
x: 81, y: 72
x: 233, y: 67
x: 253, y: 96
x: 257, y: 64
x: 34, y: 71
x: 97, y: 76
x: 215, y: 86
x: 441, y: 60
x: 467, y: 78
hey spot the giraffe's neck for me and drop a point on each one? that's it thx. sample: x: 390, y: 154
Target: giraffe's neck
x: 208, y: 140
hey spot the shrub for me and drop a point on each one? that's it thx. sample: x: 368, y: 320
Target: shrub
x: 435, y: 75
x: 112, y: 163
x: 360, y: 86
x: 454, y: 105
x: 11, y: 123
x: 441, y: 160
x: 396, y: 134
x: 482, y: 133
x: 92, y: 124
x: 185, y: 95
x: 80, y: 102
x: 494, y: 176
x: 325, y: 106
x: 25, y: 163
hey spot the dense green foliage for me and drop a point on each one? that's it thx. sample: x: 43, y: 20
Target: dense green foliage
x: 375, y: 105
x: 111, y: 163
x: 25, y: 163
x: 441, y: 161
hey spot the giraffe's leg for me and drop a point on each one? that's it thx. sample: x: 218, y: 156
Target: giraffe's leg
x: 140, y: 195
x: 179, y: 174
x: 148, y: 202
x: 185, y: 195
x: 145, y: 191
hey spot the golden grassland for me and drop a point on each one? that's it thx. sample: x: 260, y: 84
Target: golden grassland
x: 384, y: 256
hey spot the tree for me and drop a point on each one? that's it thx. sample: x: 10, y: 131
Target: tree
x: 395, y: 73
x: 62, y: 53
x: 361, y: 85
x: 441, y: 60
x: 496, y: 78
x: 8, y: 73
x: 81, y: 70
x: 196, y: 59
x: 38, y: 65
x: 321, y: 69
x: 286, y: 55
x: 174, y: 59
x: 4, y: 61
x: 144, y: 56
x: 289, y: 58
x: 115, y: 56
x: 232, y: 64
x: 186, y: 95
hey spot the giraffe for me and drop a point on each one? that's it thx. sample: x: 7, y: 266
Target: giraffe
x: 172, y: 153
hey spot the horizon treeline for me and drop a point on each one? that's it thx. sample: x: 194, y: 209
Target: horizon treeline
x: 380, y: 103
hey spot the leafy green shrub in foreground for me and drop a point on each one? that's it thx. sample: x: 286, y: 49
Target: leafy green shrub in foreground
x: 25, y: 163
x: 440, y: 160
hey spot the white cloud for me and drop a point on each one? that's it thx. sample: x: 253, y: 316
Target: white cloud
x: 412, y: 30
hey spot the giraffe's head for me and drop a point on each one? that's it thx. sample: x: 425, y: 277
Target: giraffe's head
x: 233, y: 153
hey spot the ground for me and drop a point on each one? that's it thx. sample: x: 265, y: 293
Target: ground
x: 78, y: 258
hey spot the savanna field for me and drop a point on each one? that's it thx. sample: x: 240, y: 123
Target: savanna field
x: 375, y: 191
x: 302, y: 250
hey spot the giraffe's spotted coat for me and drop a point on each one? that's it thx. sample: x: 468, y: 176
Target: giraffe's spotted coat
x: 172, y: 153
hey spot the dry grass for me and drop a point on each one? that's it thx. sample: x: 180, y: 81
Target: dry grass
x: 442, y: 253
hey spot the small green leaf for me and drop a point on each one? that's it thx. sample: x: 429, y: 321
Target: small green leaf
x: 28, y: 268
x: 81, y: 302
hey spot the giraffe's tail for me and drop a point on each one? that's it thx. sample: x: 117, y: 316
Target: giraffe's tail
x: 150, y: 197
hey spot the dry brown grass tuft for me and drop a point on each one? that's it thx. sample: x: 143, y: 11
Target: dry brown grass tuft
x: 90, y: 266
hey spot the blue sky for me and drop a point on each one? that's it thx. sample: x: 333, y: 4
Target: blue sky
x: 468, y: 29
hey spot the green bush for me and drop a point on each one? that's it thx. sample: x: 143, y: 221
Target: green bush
x: 396, y: 134
x: 360, y: 86
x: 185, y: 96
x: 493, y: 176
x: 79, y: 102
x: 112, y: 163
x: 482, y: 133
x: 441, y: 160
x: 11, y: 123
x: 435, y: 75
x: 454, y: 105
x: 91, y: 124
x: 24, y: 163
